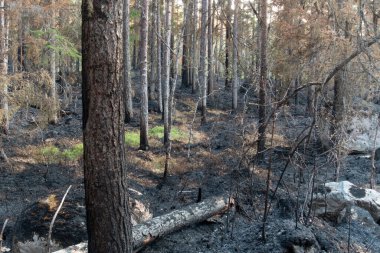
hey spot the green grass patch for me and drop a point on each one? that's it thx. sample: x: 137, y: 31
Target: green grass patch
x: 132, y: 139
x: 73, y: 153
x: 52, y: 154
x: 158, y: 132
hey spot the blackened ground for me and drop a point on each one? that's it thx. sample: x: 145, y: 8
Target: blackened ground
x: 219, y: 160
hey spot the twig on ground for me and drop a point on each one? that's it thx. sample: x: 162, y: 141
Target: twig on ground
x: 54, y: 217
x: 1, y: 234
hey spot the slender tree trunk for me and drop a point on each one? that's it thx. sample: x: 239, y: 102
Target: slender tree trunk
x: 263, y: 79
x: 159, y: 55
x: 136, y: 29
x: 235, y: 58
x: 53, y: 117
x: 172, y: 39
x: 127, y: 66
x: 258, y: 46
x: 134, y: 53
x: 4, y: 29
x: 144, y: 75
x: 166, y: 81
x: 228, y: 46
x: 194, y: 49
x: 152, y: 45
x: 185, y: 46
x: 210, y: 85
x: 203, y: 60
x: 105, y: 175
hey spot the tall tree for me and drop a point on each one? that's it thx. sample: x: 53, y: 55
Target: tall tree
x: 144, y: 75
x: 4, y: 29
x: 228, y: 46
x: 235, y: 58
x: 203, y: 60
x: 152, y: 53
x: 166, y: 80
x: 194, y: 49
x: 159, y: 49
x: 185, y: 45
x: 105, y: 175
x: 166, y: 70
x: 127, y: 65
x: 262, y: 78
x: 53, y: 117
x: 210, y: 84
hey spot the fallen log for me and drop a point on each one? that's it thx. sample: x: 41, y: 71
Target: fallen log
x: 147, y: 232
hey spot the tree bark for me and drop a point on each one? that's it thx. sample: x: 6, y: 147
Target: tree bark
x: 105, y: 175
x: 263, y: 79
x: 210, y: 84
x: 228, y: 46
x: 203, y: 60
x: 152, y: 45
x: 159, y: 55
x: 144, y: 75
x: 235, y: 58
x: 4, y: 28
x: 194, y: 50
x: 145, y: 233
x: 53, y: 116
x: 127, y: 66
x: 185, y: 46
x: 166, y: 81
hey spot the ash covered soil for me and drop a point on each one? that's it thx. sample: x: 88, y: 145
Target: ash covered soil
x: 219, y: 160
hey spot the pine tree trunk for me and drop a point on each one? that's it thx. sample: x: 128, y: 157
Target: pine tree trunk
x: 194, y: 49
x: 210, y: 85
x: 235, y: 58
x: 228, y: 46
x: 152, y: 45
x: 144, y: 75
x: 203, y: 60
x: 108, y: 217
x: 166, y: 81
x: 159, y: 55
x: 4, y: 28
x: 127, y: 66
x: 185, y: 46
x: 263, y: 79
x: 53, y: 117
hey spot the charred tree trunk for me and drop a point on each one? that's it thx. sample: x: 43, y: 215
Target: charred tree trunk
x: 166, y: 80
x: 159, y: 54
x: 109, y: 229
x: 263, y: 79
x: 210, y: 84
x: 144, y: 75
x: 194, y: 50
x: 235, y: 58
x: 185, y: 46
x: 152, y: 45
x: 127, y: 66
x: 228, y: 46
x: 203, y: 60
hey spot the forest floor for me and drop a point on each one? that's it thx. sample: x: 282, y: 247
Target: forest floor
x: 218, y: 159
